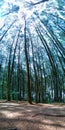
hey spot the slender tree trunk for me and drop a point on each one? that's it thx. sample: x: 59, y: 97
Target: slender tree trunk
x: 7, y: 30
x: 19, y: 74
x: 27, y: 65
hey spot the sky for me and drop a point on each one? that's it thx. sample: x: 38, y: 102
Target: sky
x: 16, y: 9
x: 7, y: 5
x: 8, y: 10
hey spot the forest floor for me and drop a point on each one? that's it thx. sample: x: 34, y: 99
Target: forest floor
x: 24, y: 116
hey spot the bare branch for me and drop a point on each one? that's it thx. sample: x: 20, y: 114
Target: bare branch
x: 39, y: 2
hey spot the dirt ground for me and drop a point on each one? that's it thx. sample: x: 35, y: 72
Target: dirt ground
x: 24, y: 116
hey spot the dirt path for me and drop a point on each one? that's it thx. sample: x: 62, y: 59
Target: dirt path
x: 24, y: 116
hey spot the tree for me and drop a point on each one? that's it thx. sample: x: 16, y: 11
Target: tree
x: 27, y: 65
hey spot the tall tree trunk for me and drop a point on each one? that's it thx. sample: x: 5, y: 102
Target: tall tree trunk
x: 19, y: 74
x: 7, y: 30
x: 27, y: 65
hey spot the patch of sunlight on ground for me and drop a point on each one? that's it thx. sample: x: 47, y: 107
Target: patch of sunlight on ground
x: 10, y: 104
x: 9, y: 114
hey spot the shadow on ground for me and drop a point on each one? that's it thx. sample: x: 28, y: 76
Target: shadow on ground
x: 15, y: 116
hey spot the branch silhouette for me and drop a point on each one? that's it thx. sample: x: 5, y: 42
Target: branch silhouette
x: 39, y: 2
